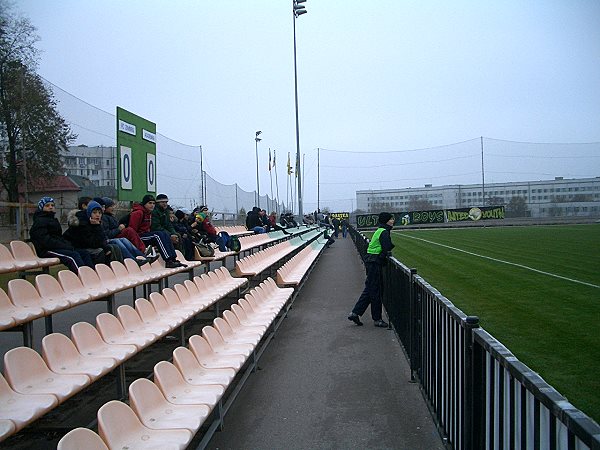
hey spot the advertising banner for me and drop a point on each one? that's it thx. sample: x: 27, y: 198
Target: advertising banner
x: 405, y: 218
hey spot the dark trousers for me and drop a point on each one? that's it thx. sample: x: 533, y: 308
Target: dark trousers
x: 162, y: 241
x: 73, y: 259
x: 371, y: 294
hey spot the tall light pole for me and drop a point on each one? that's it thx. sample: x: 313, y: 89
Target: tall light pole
x: 297, y: 10
x: 257, y: 140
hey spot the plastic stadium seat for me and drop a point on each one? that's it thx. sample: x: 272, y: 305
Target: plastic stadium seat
x: 62, y: 357
x: 7, y: 261
x: 178, y: 391
x: 25, y: 257
x: 133, y: 323
x: 155, y: 412
x: 24, y: 294
x: 175, y: 303
x: 207, y: 357
x: 27, y: 373
x: 51, y: 291
x: 23, y: 409
x: 7, y: 427
x: 90, y: 279
x: 81, y: 439
x: 88, y: 341
x: 149, y: 315
x: 73, y: 286
x: 120, y: 428
x: 215, y: 340
x: 196, y: 302
x: 164, y: 309
x: 239, y: 336
x: 235, y: 323
x: 136, y: 271
x: 121, y: 272
x: 194, y: 373
x: 109, y: 279
x: 247, y: 320
x: 112, y: 331
x: 11, y: 314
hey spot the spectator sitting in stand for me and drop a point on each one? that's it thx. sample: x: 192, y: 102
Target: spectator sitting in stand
x: 85, y: 232
x: 182, y: 227
x: 47, y: 238
x: 140, y: 220
x: 254, y: 222
x: 287, y: 220
x: 113, y: 230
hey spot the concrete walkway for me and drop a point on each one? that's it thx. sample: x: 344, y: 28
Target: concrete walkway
x: 327, y: 383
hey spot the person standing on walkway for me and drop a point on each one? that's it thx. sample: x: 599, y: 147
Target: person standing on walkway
x: 375, y: 259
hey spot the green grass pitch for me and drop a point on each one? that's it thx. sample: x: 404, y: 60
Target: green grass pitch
x: 536, y: 289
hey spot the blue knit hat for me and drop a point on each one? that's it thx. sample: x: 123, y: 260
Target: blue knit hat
x: 43, y: 202
x: 92, y: 206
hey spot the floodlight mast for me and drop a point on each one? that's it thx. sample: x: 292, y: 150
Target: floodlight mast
x: 297, y: 10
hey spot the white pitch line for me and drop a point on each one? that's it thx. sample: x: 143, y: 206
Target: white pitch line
x: 499, y: 260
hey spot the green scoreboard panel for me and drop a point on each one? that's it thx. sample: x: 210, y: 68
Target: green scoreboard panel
x: 136, y: 156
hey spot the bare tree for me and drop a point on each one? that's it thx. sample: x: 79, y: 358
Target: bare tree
x: 32, y: 132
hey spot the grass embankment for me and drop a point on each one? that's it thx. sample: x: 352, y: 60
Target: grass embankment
x: 551, y: 324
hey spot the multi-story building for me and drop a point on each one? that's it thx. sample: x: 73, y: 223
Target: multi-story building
x: 546, y: 198
x: 98, y: 164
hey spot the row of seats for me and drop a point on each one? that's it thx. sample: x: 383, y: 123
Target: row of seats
x: 296, y: 269
x: 167, y: 413
x: 35, y: 383
x: 26, y: 302
x: 234, y: 230
x: 21, y: 257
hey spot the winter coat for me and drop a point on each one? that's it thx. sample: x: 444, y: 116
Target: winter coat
x: 46, y: 233
x: 110, y: 225
x: 161, y: 221
x: 82, y: 234
x: 140, y: 219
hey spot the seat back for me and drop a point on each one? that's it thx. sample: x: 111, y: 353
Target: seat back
x: 185, y: 361
x: 132, y: 267
x: 129, y: 318
x: 58, y: 351
x: 22, y: 251
x: 223, y: 328
x: 86, y: 337
x: 48, y: 286
x: 146, y: 311
x: 81, y: 438
x: 70, y: 282
x: 145, y: 397
x: 89, y: 277
x: 167, y: 377
x: 159, y: 302
x: 171, y: 297
x: 182, y: 293
x: 192, y: 288
x: 116, y: 420
x: 105, y: 274
x: 212, y: 336
x: 23, y: 365
x: 200, y: 347
x: 232, y: 319
x: 109, y: 327
x: 7, y: 260
x: 119, y: 270
x: 23, y: 293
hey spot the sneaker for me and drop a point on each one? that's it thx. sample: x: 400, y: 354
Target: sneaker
x: 152, y: 259
x: 140, y: 260
x: 380, y: 323
x: 355, y: 318
x: 150, y: 252
x: 174, y: 264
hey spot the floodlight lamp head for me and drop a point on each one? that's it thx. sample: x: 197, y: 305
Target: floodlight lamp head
x: 257, y: 139
x: 258, y: 132
x: 299, y: 1
x: 299, y: 12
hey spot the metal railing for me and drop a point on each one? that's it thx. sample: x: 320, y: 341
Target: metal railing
x: 480, y: 394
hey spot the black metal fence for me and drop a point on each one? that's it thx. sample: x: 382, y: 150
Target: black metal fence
x: 481, y: 395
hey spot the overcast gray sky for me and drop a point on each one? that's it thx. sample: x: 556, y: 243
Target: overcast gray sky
x: 374, y: 75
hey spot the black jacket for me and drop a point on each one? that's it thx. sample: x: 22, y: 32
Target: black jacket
x: 253, y: 219
x: 83, y: 234
x: 110, y: 225
x: 46, y: 233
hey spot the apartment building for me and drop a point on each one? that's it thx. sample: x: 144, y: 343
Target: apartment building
x: 546, y: 198
x: 98, y: 164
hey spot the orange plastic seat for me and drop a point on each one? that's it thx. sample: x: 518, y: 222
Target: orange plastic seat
x: 175, y: 303
x: 153, y: 409
x: 196, y: 302
x: 122, y: 274
x: 51, y: 291
x: 215, y: 340
x: 207, y: 357
x: 89, y: 342
x: 164, y: 309
x: 25, y: 257
x: 89, y: 278
x: 238, y: 336
x: 7, y: 260
x: 109, y: 279
x: 121, y: 428
x: 23, y: 409
x: 112, y: 331
x: 194, y: 373
x: 81, y: 439
x: 27, y: 373
x: 149, y: 315
x: 11, y: 314
x: 235, y: 324
x: 72, y: 285
x: 136, y: 271
x: 24, y: 294
x: 178, y: 391
x: 133, y: 323
x: 62, y: 357
x: 248, y: 320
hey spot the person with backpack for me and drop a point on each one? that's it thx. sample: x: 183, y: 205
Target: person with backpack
x: 140, y: 220
x: 46, y: 236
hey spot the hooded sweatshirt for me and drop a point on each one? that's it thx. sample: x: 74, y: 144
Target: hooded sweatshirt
x: 140, y: 219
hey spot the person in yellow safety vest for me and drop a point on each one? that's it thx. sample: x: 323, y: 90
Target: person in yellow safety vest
x: 377, y: 253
